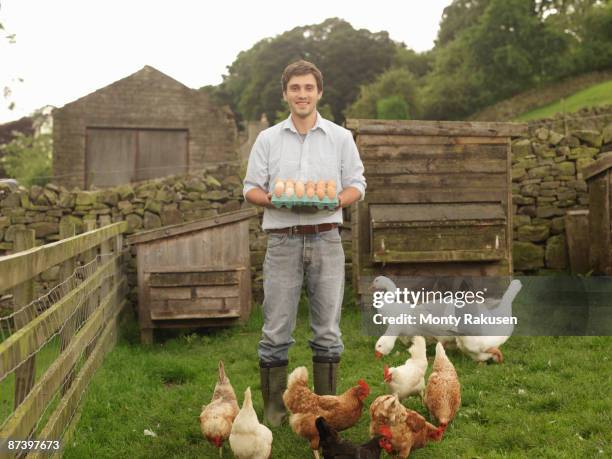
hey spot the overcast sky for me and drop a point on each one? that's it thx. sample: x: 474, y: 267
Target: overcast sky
x: 65, y: 49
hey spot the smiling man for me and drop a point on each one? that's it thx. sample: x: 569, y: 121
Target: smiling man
x: 301, y: 245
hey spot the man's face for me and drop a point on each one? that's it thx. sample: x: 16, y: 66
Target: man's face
x: 302, y: 95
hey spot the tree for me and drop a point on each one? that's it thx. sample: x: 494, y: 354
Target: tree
x: 347, y: 58
x: 392, y: 108
x: 398, y: 83
x: 27, y: 158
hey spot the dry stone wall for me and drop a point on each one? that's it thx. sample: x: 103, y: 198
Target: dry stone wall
x: 547, y: 182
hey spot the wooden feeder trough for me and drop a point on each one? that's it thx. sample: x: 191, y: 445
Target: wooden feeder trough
x: 438, y: 201
x: 598, y: 176
x: 194, y: 274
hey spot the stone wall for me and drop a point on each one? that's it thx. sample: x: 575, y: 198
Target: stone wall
x: 547, y: 182
x: 145, y: 205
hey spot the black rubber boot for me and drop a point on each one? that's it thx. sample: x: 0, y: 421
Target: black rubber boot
x: 273, y: 384
x: 325, y: 371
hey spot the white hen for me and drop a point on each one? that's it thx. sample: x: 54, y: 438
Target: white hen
x: 250, y: 439
x: 483, y: 348
x: 409, y: 378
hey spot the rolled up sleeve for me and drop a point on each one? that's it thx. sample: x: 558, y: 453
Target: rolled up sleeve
x: 257, y: 175
x: 352, y: 167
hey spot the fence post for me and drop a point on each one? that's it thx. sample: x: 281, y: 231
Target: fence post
x: 93, y: 300
x: 105, y: 252
x: 23, y: 296
x: 67, y: 229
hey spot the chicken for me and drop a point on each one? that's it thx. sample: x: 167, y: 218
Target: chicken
x: 409, y: 430
x: 335, y: 447
x: 409, y: 378
x: 385, y: 344
x: 483, y: 348
x: 340, y: 411
x: 250, y: 439
x: 217, y: 417
x: 443, y: 392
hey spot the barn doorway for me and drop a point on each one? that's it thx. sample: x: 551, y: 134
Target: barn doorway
x: 118, y: 156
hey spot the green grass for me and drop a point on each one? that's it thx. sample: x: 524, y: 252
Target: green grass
x: 599, y: 94
x: 551, y: 398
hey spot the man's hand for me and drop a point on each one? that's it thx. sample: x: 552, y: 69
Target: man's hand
x: 348, y: 196
x: 259, y: 197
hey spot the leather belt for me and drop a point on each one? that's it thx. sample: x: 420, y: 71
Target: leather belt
x: 305, y: 229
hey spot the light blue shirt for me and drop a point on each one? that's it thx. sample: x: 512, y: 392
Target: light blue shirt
x: 327, y: 152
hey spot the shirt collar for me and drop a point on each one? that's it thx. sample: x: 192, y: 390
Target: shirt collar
x: 319, y: 124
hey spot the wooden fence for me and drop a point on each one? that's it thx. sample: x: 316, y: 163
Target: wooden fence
x: 78, y: 316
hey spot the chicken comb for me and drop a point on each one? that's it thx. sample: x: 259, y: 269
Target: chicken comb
x: 364, y: 387
x: 385, y: 431
x: 387, y: 373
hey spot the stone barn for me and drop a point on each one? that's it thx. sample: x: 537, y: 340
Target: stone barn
x: 143, y: 126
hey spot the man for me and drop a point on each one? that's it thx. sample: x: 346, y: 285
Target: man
x: 300, y: 243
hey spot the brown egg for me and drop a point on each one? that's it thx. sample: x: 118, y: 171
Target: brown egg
x: 310, y: 192
x: 320, y: 192
x: 310, y: 184
x: 279, y: 180
x: 321, y: 184
x: 331, y: 183
x: 289, y: 190
x: 299, y: 189
x: 279, y: 188
x: 331, y: 192
x: 290, y: 183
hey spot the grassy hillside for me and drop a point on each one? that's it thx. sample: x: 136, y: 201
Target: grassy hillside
x: 536, y: 98
x: 599, y: 94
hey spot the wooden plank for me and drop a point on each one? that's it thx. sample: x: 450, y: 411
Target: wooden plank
x: 470, y: 181
x: 26, y: 416
x: 434, y: 151
x: 439, y: 239
x: 437, y: 128
x: 603, y: 163
x: 217, y: 291
x: 364, y: 140
x: 167, y: 293
x: 199, y: 308
x: 194, y: 225
x: 450, y: 256
x: 599, y: 224
x: 386, y: 196
x: 181, y: 279
x: 578, y: 243
x: 509, y: 211
x: 434, y: 213
x: 93, y: 298
x: 24, y: 342
x: 19, y: 267
x: 23, y: 295
x: 467, y: 165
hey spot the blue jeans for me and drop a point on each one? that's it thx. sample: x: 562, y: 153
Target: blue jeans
x: 320, y: 258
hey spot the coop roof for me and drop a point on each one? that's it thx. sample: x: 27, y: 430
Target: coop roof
x: 603, y: 163
x: 437, y: 128
x: 191, y: 226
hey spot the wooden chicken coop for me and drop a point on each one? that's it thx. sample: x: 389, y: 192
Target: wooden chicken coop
x: 194, y: 274
x: 438, y: 201
x: 599, y: 179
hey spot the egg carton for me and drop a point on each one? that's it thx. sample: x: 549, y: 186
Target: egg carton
x: 304, y: 201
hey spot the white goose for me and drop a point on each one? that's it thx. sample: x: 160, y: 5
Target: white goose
x: 483, y: 348
x: 385, y: 343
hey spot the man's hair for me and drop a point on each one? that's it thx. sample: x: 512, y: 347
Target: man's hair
x: 302, y: 68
